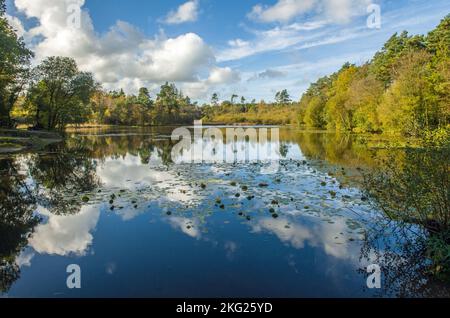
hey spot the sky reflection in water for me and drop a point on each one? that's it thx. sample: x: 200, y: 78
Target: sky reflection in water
x: 154, y: 229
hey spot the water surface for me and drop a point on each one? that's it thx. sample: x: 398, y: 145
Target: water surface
x: 138, y: 225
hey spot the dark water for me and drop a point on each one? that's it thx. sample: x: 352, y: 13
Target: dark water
x: 112, y: 202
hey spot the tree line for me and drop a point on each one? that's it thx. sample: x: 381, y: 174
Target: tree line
x: 404, y: 89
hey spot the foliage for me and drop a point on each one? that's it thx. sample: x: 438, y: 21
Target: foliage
x: 413, y: 187
x: 404, y: 89
x: 283, y: 97
x: 14, y: 67
x: 60, y: 93
x: 250, y: 113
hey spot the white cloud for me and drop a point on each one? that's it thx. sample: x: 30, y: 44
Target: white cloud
x: 267, y: 74
x: 65, y: 234
x: 16, y: 24
x: 276, y: 38
x: 321, y: 235
x: 218, y: 76
x: 188, y: 226
x: 283, y: 11
x: 187, y: 12
x: 123, y: 57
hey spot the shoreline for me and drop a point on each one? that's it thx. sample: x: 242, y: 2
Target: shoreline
x: 14, y: 141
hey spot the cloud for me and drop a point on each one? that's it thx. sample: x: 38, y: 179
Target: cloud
x: 282, y: 11
x: 268, y: 74
x: 16, y: 25
x: 65, y: 234
x: 322, y: 235
x: 187, y: 12
x: 218, y: 76
x: 277, y: 38
x: 188, y: 226
x: 339, y: 11
x: 123, y: 57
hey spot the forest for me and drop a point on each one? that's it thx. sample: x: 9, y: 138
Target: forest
x: 404, y: 89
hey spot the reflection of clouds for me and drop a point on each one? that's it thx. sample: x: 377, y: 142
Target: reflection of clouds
x: 115, y: 172
x: 216, y: 151
x: 296, y: 235
x: 318, y: 235
x: 186, y: 225
x: 65, y: 234
x: 24, y: 258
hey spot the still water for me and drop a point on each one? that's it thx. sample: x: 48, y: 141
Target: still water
x: 138, y: 225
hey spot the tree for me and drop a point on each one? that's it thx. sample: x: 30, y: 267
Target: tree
x: 438, y: 40
x: 14, y: 67
x: 282, y: 97
x: 338, y: 112
x: 145, y: 106
x: 312, y: 103
x: 233, y: 98
x: 215, y: 99
x: 406, y: 108
x: 167, y: 101
x: 61, y: 93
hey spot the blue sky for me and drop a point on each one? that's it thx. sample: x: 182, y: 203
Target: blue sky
x: 252, y: 48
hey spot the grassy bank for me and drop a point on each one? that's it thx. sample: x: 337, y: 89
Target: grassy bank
x: 17, y: 140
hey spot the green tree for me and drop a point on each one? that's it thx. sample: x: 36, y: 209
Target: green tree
x: 283, y: 97
x: 61, y: 93
x: 14, y: 67
x: 145, y: 105
x: 167, y: 101
x: 215, y: 99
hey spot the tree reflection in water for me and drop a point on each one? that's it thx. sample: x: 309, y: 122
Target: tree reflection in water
x: 66, y: 169
x: 62, y: 175
x: 401, y: 252
x: 17, y: 220
x: 412, y: 188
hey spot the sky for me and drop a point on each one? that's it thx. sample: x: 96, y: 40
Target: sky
x: 252, y: 48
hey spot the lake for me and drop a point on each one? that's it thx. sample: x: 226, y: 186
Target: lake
x: 138, y: 225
